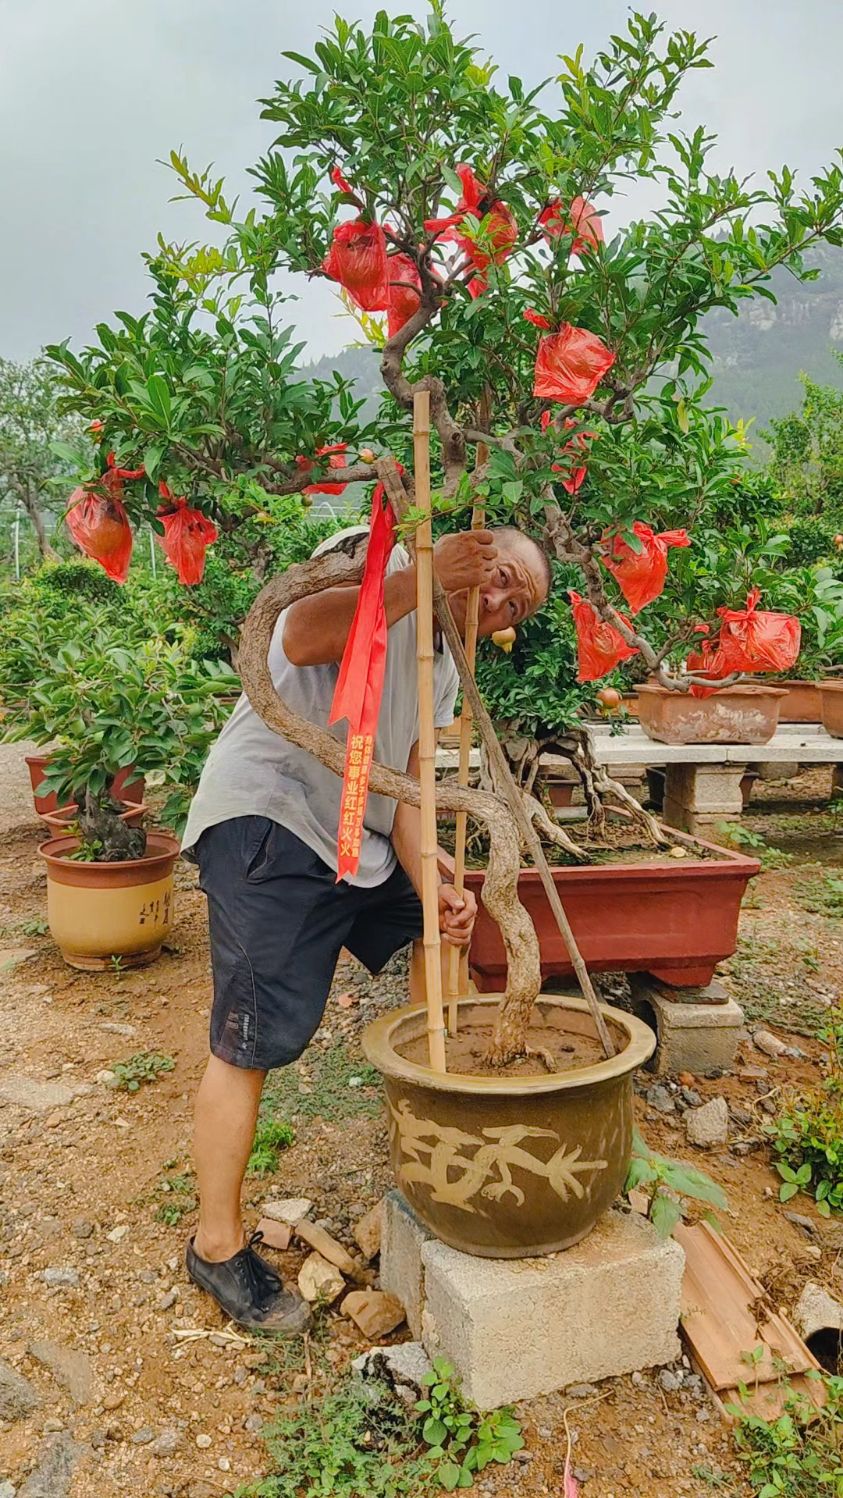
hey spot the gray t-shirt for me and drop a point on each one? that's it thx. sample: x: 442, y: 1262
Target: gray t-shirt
x: 252, y: 771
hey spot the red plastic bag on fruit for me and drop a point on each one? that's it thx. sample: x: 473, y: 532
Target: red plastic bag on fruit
x: 336, y: 459
x: 357, y: 260
x: 98, y: 522
x: 753, y: 639
x: 569, y: 364
x: 187, y: 535
x: 581, y: 220
x: 499, y: 225
x: 600, y: 646
x: 641, y: 575
x: 404, y: 294
x: 577, y: 445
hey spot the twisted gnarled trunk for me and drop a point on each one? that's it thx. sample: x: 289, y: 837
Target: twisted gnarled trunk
x: 500, y: 889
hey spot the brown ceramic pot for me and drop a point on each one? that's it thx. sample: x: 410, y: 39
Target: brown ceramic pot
x: 126, y: 785
x: 803, y: 702
x: 733, y: 715
x: 832, y: 704
x: 561, y: 792
x: 510, y: 1167
x: 674, y: 918
x: 102, y: 911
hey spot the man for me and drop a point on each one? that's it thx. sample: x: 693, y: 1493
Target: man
x: 263, y: 829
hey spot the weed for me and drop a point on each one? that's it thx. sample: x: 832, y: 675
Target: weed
x: 329, y: 1084
x: 36, y: 927
x: 807, y: 1136
x: 747, y: 841
x: 144, y: 1066
x: 117, y: 966
x: 358, y: 1442
x: 461, y: 1440
x: 823, y: 896
x: 800, y: 1453
x: 179, y: 1199
x: 272, y: 1136
x: 668, y: 1183
x: 708, y: 1475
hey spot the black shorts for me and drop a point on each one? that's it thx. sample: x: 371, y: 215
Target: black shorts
x: 278, y: 920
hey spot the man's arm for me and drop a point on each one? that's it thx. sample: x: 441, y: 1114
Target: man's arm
x: 316, y: 628
x: 456, y: 912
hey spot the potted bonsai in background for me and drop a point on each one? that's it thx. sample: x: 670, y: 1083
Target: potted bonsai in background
x: 105, y: 702
x: 479, y: 219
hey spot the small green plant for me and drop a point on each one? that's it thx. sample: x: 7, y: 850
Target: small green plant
x: 747, y: 841
x: 822, y: 896
x: 358, y: 1442
x: 178, y: 1193
x: 668, y: 1183
x: 143, y: 1067
x: 36, y: 927
x: 328, y: 1084
x: 272, y: 1136
x: 704, y: 1473
x: 807, y: 1136
x: 800, y: 1453
x: 463, y: 1442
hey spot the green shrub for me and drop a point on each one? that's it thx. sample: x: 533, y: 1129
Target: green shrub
x: 800, y: 1453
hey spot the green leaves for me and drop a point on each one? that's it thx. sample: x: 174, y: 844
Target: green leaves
x: 462, y: 1441
x: 672, y: 1183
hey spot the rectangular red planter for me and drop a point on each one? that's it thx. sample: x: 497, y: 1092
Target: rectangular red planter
x: 675, y: 918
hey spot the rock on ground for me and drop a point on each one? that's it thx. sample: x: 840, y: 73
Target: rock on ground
x: 56, y: 1461
x: 319, y: 1280
x: 708, y: 1125
x: 403, y: 1367
x: 817, y: 1311
x: 69, y: 1367
x: 17, y: 1395
x: 375, y: 1312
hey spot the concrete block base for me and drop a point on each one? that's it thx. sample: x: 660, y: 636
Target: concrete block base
x: 697, y: 797
x: 516, y: 1328
x: 693, y: 1036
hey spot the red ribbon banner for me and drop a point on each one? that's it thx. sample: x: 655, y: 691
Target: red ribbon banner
x: 359, y: 688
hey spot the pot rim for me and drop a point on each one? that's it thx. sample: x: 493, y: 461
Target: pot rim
x: 56, y: 851
x: 728, y: 861
x: 751, y: 687
x: 830, y: 686
x: 379, y: 1052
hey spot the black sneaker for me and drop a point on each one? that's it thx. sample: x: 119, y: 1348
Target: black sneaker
x: 249, y: 1291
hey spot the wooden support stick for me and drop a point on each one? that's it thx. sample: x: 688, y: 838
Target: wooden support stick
x: 427, y: 734
x: 457, y: 960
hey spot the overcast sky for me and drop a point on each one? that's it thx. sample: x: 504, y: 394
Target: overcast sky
x: 93, y: 92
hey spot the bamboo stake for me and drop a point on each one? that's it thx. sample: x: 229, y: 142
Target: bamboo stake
x: 457, y: 960
x: 427, y: 734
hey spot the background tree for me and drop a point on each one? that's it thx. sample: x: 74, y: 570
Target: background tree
x: 30, y: 422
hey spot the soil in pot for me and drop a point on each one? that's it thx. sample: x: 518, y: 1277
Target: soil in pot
x: 466, y: 1051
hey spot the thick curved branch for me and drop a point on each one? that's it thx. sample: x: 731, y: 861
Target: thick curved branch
x: 500, y: 889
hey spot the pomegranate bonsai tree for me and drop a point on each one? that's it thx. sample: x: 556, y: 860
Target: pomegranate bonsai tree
x: 478, y: 231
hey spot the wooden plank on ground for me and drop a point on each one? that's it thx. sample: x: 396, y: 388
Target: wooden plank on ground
x: 727, y: 1316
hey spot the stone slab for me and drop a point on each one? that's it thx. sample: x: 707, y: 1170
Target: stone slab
x: 517, y: 1328
x: 37, y: 1097
x: 692, y: 1037
x: 402, y: 1239
x: 705, y: 787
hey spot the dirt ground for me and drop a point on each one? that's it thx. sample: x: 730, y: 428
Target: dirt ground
x: 139, y: 1387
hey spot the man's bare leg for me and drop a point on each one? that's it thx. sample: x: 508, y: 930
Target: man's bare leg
x: 225, y: 1120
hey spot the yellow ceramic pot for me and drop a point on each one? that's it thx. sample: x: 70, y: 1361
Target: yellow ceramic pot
x: 102, y: 911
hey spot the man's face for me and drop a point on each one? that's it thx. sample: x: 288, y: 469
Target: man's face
x: 516, y: 588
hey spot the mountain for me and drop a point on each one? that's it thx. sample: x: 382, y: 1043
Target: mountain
x: 757, y: 356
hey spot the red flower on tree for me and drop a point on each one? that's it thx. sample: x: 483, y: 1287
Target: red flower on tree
x: 579, y: 444
x: 580, y: 220
x: 499, y: 226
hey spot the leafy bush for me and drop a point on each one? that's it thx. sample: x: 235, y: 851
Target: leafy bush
x: 143, y: 1067
x: 807, y: 1136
